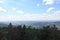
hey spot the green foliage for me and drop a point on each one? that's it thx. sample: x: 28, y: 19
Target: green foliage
x: 29, y: 33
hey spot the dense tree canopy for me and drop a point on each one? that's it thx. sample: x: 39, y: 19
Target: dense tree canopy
x: 28, y: 33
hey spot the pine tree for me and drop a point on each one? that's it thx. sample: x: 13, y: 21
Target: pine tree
x: 10, y: 30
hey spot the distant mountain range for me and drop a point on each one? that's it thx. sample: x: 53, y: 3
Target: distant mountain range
x: 33, y: 23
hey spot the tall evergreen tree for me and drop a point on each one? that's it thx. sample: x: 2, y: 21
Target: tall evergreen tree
x: 10, y: 34
x: 10, y: 25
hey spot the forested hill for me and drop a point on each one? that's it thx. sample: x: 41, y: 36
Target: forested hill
x: 29, y: 33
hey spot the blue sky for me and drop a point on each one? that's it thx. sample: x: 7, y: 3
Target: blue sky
x: 15, y: 10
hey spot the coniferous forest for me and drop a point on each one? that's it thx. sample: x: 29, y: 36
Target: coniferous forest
x: 28, y: 33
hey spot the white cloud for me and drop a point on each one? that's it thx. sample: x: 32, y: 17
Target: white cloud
x: 1, y: 1
x: 48, y: 2
x: 14, y: 9
x: 2, y: 9
x: 50, y: 9
x: 20, y: 11
x: 5, y: 18
x: 54, y: 16
x: 37, y: 5
x: 57, y: 13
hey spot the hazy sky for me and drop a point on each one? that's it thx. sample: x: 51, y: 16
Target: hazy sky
x: 14, y: 10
